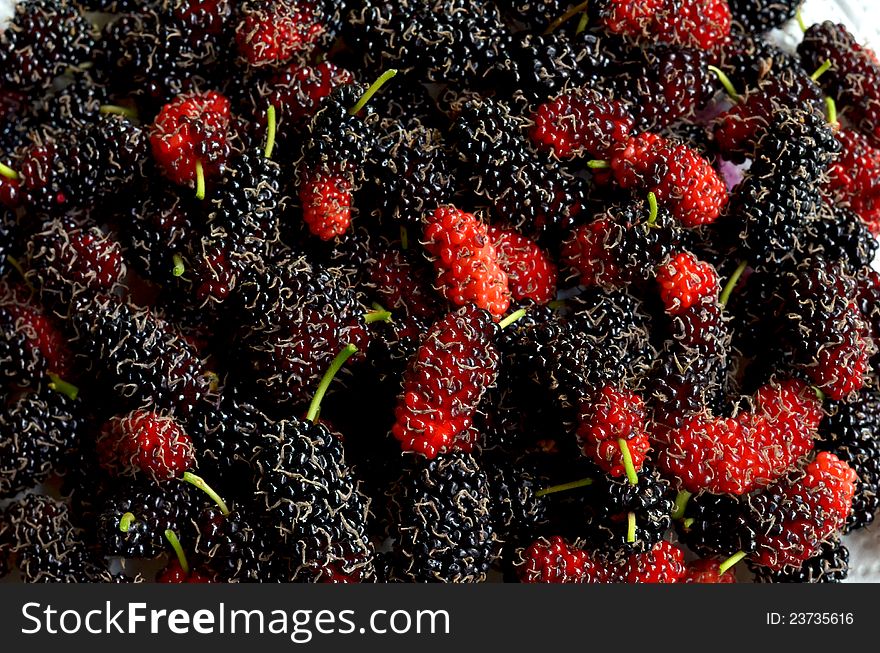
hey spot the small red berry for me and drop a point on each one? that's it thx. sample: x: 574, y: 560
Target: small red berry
x: 147, y: 443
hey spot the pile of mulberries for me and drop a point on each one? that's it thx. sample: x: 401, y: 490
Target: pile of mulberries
x: 435, y: 291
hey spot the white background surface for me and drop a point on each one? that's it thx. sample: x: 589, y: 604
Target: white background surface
x: 862, y: 17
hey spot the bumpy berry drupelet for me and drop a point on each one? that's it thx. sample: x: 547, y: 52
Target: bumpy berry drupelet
x: 662, y: 564
x: 553, y: 560
x: 456, y: 363
x: 460, y: 547
x: 684, y: 281
x: 145, y: 444
x: 613, y: 428
x: 468, y: 269
x: 272, y: 33
x: 794, y: 516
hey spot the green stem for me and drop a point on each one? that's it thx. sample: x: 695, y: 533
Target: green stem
x: 126, y: 521
x: 270, y: 131
x: 800, y: 19
x: 115, y: 109
x: 628, y: 462
x: 688, y: 522
x: 573, y: 11
x: 652, y: 205
x: 573, y: 485
x: 556, y: 304
x: 729, y: 88
x: 404, y: 238
x: 331, y: 372
x: 60, y: 385
x: 631, y: 527
x: 200, y: 181
x: 731, y: 283
x: 821, y: 70
x: 510, y: 319
x: 732, y: 560
x: 370, y: 92
x: 179, y: 266
x: 8, y: 173
x: 598, y: 165
x: 831, y: 110
x: 681, y: 502
x: 582, y: 24
x: 178, y: 550
x: 377, y: 316
x: 819, y: 394
x: 200, y: 483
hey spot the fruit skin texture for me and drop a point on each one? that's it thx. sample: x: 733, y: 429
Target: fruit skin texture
x: 326, y: 202
x: 854, y: 77
x: 145, y: 443
x: 531, y: 274
x: 614, y: 415
x: 690, y: 23
x: 684, y: 280
x: 853, y: 177
x: 457, y: 548
x: 466, y: 261
x: 706, y: 571
x: 681, y: 179
x: 736, y: 455
x: 829, y: 565
x: 192, y: 128
x: 800, y: 512
x: 553, y: 560
x: 442, y: 386
x: 581, y: 122
x: 270, y: 33
x: 662, y: 564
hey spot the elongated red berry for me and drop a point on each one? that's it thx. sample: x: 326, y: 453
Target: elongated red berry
x: 684, y: 280
x: 553, y: 560
x: 682, y: 180
x: 271, y: 33
x: 612, y: 416
x: 466, y: 261
x: 581, y: 122
x: 190, y: 130
x: 854, y: 178
x: 145, y: 443
x: 795, y: 516
x: 326, y: 203
x: 662, y: 564
x: 531, y: 274
x: 444, y: 382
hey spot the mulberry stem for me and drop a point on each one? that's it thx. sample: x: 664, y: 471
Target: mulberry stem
x: 179, y: 266
x: 652, y: 205
x: 8, y: 173
x: 178, y: 550
x: 404, y: 238
x: 510, y: 319
x: 200, y: 483
x: 331, y: 372
x: 821, y: 70
x: 628, y: 465
x: 831, y: 110
x: 819, y: 394
x: 732, y: 560
x: 116, y: 110
x: 564, y: 487
x: 60, y: 385
x: 731, y: 283
x: 598, y: 165
x: 126, y: 521
x: 631, y: 527
x: 200, y: 181
x: 688, y: 522
x: 379, y: 315
x: 800, y: 19
x: 552, y: 27
x: 729, y: 88
x: 582, y: 24
x: 270, y: 131
x: 370, y: 92
x: 681, y: 502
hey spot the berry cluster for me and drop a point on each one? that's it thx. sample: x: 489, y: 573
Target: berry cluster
x: 436, y: 291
